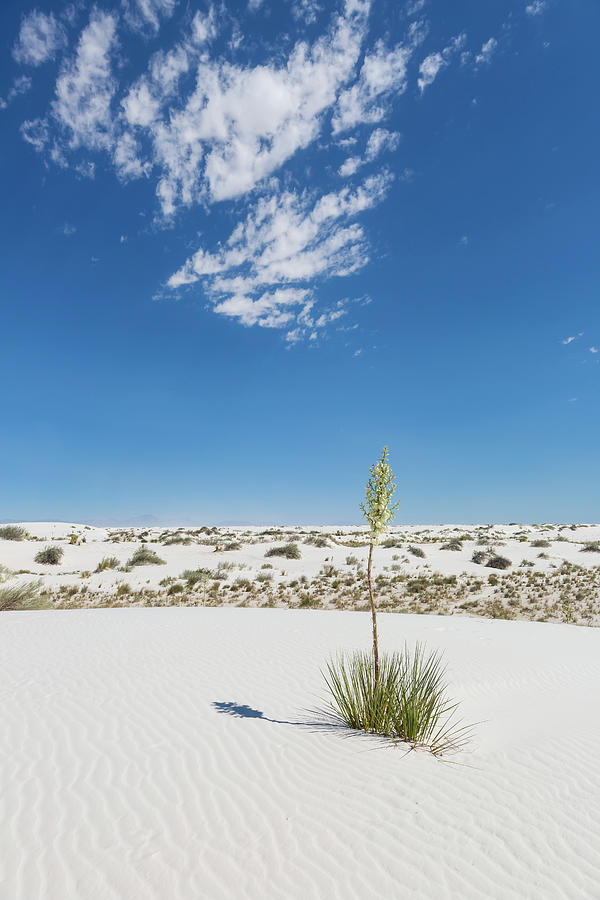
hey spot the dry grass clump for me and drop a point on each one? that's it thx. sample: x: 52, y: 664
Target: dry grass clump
x: 145, y: 556
x: 13, y: 533
x: 498, y: 562
x: 108, y: 562
x: 453, y: 544
x: 416, y: 551
x: 49, y: 555
x: 408, y: 702
x: 289, y: 551
x: 20, y: 596
x: 591, y: 547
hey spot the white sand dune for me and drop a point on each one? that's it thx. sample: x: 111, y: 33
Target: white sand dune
x: 169, y: 754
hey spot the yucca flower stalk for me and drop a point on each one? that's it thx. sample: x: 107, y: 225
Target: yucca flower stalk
x: 378, y: 511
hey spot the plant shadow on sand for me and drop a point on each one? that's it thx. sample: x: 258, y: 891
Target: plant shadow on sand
x: 321, y: 720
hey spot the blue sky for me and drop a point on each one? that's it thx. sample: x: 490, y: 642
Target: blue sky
x: 245, y: 244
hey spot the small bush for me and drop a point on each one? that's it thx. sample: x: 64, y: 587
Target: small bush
x: 541, y: 543
x: 416, y: 551
x: 352, y: 560
x: 13, y: 533
x: 50, y: 555
x: 453, y: 544
x: 479, y: 557
x: 144, y: 556
x: 498, y: 562
x: 109, y: 562
x: 193, y: 576
x: 290, y: 551
x: 175, y: 589
x: 123, y: 589
x: 20, y: 596
x: 317, y: 540
x: 591, y: 547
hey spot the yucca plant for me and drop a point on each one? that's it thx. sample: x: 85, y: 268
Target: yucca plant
x: 378, y: 511
x: 408, y: 703
x: 360, y: 701
x: 424, y: 715
x: 20, y: 596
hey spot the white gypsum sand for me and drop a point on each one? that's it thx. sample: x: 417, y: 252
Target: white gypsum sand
x: 551, y: 576
x: 168, y: 754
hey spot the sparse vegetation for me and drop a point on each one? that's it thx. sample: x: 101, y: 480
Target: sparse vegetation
x: 454, y: 544
x: 108, y: 562
x: 289, y: 551
x: 49, y: 555
x: 20, y: 596
x: 145, y: 556
x: 417, y: 551
x: 13, y: 533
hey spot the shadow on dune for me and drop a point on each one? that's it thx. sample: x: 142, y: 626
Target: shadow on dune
x: 322, y: 720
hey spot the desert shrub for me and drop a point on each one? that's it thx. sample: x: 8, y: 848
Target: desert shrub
x: 177, y: 539
x: 453, y: 544
x: 498, y: 562
x: 479, y: 557
x: 290, y: 551
x: 541, y: 543
x: 193, y: 576
x: 416, y: 551
x: 352, y: 560
x: 232, y: 545
x: 20, y: 596
x: 175, y: 589
x: 50, y: 555
x: 317, y: 540
x: 123, y: 589
x: 109, y: 562
x: 391, y: 542
x: 264, y: 576
x: 408, y: 702
x: 144, y: 556
x: 591, y: 547
x: 13, y: 533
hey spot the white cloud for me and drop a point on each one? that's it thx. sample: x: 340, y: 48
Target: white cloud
x: 383, y: 72
x: 536, y: 8
x: 241, y: 124
x: 593, y: 349
x: 20, y: 85
x: 306, y: 10
x: 123, y: 239
x: 253, y: 5
x: 264, y: 273
x: 379, y: 140
x: 146, y: 15
x: 487, y: 51
x: 68, y: 230
x: 432, y: 64
x: 569, y: 339
x: 85, y: 86
x: 40, y: 38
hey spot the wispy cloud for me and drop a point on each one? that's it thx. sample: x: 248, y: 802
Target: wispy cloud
x: 536, y: 8
x: 205, y: 128
x: 68, y: 229
x: 435, y: 62
x: 21, y: 85
x: 379, y: 141
x: 484, y: 57
x: 263, y: 274
x: 593, y: 350
x: 40, y: 38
